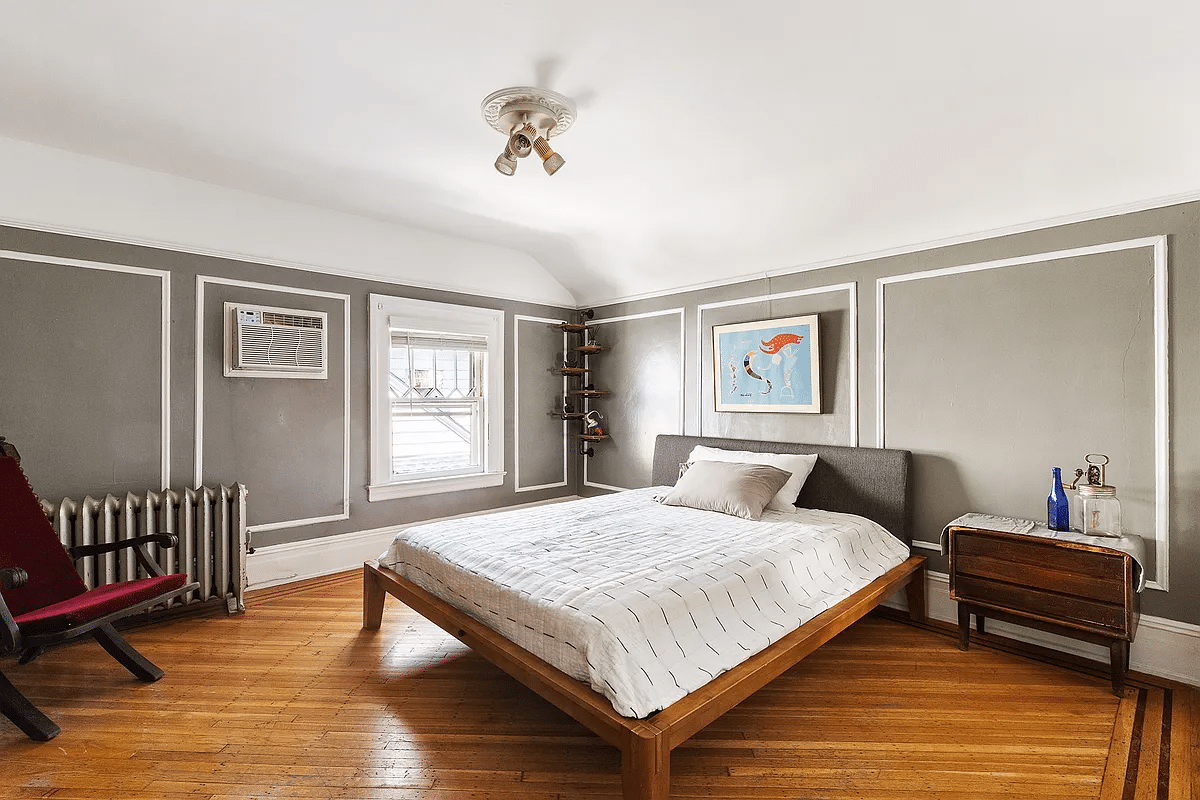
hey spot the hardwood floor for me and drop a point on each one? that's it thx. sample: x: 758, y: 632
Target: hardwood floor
x: 293, y: 700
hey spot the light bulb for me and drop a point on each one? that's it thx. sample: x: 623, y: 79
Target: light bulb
x: 551, y: 161
x: 505, y: 163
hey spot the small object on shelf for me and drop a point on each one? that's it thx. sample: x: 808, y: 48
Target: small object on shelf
x: 591, y: 422
x: 1097, y: 510
x: 1058, y: 508
x: 1100, y: 510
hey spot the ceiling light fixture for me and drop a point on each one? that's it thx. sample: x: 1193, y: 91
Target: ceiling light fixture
x: 528, y: 117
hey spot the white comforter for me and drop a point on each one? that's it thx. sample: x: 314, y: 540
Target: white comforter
x: 643, y: 602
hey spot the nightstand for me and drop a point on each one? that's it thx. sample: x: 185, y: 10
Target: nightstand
x: 1072, y: 589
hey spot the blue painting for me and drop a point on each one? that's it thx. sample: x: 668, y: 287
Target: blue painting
x: 773, y: 365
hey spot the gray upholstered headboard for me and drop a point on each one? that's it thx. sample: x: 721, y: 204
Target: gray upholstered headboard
x: 870, y: 482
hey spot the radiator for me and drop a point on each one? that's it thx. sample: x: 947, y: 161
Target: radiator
x: 209, y: 521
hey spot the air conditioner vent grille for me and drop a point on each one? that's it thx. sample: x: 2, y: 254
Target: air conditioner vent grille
x: 292, y: 320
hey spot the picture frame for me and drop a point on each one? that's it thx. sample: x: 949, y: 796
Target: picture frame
x: 768, y: 366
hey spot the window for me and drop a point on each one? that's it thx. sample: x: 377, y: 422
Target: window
x: 437, y: 408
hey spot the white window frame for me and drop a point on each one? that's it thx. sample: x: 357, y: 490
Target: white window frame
x: 387, y: 312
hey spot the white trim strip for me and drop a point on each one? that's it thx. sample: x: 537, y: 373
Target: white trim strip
x: 296, y: 523
x: 606, y: 486
x: 851, y: 287
x: 1162, y: 420
x: 1162, y: 482
x: 682, y: 375
x: 517, y: 487
x: 1032, y: 258
x: 198, y: 463
x: 164, y: 277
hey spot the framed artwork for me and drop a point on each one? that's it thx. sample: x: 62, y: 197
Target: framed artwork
x: 773, y: 365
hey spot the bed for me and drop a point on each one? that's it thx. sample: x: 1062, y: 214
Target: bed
x: 870, y: 483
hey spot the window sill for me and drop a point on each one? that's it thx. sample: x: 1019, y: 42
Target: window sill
x: 391, y: 491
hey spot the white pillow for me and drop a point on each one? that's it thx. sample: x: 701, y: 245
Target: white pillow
x: 799, y: 464
x: 727, y: 487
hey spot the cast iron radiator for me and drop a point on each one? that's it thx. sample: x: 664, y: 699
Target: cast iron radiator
x: 209, y: 521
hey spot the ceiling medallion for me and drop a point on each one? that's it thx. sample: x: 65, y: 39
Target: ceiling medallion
x: 528, y: 117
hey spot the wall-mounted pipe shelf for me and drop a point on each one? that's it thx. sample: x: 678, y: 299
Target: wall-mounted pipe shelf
x: 577, y: 366
x: 573, y: 327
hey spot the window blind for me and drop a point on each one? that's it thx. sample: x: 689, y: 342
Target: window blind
x: 439, y: 341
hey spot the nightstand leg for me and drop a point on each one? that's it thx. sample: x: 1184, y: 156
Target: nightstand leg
x: 979, y: 623
x: 1118, y: 656
x: 964, y: 626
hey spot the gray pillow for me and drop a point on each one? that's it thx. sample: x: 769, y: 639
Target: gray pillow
x: 742, y: 490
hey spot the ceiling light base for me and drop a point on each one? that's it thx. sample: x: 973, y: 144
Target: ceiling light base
x: 508, y: 109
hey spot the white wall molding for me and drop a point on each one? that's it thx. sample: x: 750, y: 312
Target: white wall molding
x: 850, y: 288
x: 517, y: 487
x: 198, y: 467
x: 1162, y: 647
x: 312, y: 558
x: 1162, y: 454
x: 682, y: 375
x: 164, y: 278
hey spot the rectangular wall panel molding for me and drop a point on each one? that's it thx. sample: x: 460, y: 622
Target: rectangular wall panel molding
x: 620, y: 392
x: 203, y: 282
x: 163, y: 279
x: 526, y: 397
x: 1039, y: 275
x: 851, y: 290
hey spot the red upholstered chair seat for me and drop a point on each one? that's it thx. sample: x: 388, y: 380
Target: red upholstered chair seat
x: 98, y: 602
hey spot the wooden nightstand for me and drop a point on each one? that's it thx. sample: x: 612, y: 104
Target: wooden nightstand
x: 1067, y: 588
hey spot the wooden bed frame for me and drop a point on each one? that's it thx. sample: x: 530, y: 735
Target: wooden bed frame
x: 646, y: 744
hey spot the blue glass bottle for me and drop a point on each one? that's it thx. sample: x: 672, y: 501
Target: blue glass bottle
x: 1058, y: 509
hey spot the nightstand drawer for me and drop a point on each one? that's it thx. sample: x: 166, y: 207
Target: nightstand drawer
x: 1041, y: 554
x: 1048, y: 605
x: 1106, y: 590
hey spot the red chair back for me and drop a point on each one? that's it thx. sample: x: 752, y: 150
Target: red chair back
x: 28, y: 540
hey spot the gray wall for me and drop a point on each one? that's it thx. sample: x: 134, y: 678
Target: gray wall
x: 991, y: 376
x: 82, y: 370
x: 641, y: 371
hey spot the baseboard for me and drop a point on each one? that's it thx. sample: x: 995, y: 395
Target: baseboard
x: 313, y: 558
x: 1162, y: 647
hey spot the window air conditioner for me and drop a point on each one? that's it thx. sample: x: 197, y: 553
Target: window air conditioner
x: 264, y: 342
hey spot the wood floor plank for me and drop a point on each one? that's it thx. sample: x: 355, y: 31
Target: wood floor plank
x: 294, y: 700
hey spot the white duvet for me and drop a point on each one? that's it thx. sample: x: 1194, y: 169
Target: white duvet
x: 644, y: 602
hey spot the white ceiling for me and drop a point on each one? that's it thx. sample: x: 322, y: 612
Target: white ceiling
x: 714, y: 140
